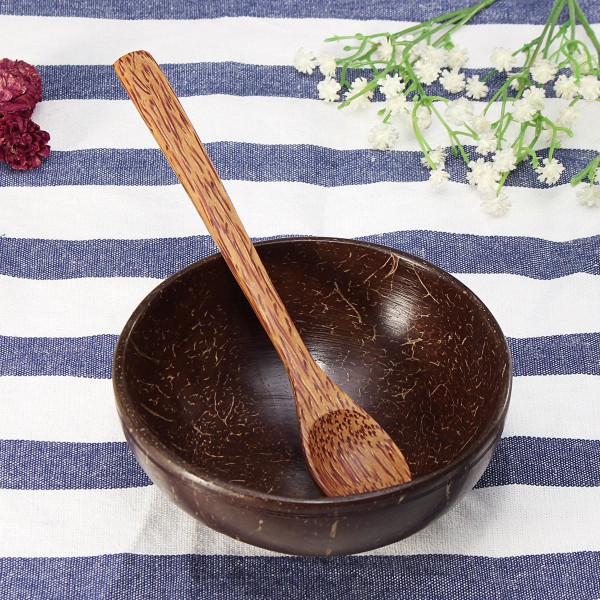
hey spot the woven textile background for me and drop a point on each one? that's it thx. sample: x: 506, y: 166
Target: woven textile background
x: 87, y: 235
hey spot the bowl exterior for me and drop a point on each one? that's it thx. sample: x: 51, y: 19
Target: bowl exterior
x: 319, y: 529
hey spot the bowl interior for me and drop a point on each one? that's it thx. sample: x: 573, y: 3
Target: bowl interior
x: 408, y: 342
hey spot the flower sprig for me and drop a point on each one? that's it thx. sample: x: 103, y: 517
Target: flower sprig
x: 514, y: 124
x: 523, y: 125
x: 401, y: 65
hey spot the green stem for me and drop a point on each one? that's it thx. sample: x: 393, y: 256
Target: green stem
x: 550, y: 23
x: 587, y: 28
x: 370, y: 86
x: 412, y: 77
x: 551, y: 38
x: 471, y: 132
x: 472, y: 11
x: 517, y: 145
x: 502, y: 128
x: 501, y: 182
x: 572, y: 20
x: 562, y: 34
x: 555, y: 131
x: 574, y: 64
x: 446, y: 17
x: 455, y: 142
x: 531, y: 152
x: 474, y: 136
x: 587, y: 171
x: 425, y: 147
x: 553, y: 144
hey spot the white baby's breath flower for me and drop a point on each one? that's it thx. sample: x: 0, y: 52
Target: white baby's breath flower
x: 566, y: 87
x: 458, y: 112
x: 476, y: 89
x: 435, y: 56
x: 502, y: 59
x: 542, y: 70
x: 453, y: 81
x: 430, y: 61
x: 416, y: 50
x: 589, y: 87
x: 505, y: 159
x: 423, y: 117
x: 522, y: 111
x: 568, y: 116
x: 437, y: 156
x: 392, y: 85
x: 358, y: 85
x: 457, y: 57
x: 486, y: 143
x: 517, y: 83
x: 426, y: 72
x: 477, y: 168
x: 597, y: 176
x: 484, y: 175
x: 550, y: 172
x: 488, y: 186
x: 397, y: 104
x: 438, y: 176
x: 383, y: 136
x: 385, y: 50
x: 480, y: 124
x: 589, y: 195
x: 327, y: 64
x: 535, y: 97
x: 305, y: 62
x: 329, y: 89
x: 495, y: 205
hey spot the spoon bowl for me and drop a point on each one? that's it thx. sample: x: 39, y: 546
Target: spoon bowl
x: 205, y: 400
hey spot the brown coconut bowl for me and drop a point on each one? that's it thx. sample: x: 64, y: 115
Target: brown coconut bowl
x: 207, y: 408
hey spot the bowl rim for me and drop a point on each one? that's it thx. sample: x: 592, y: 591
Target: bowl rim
x: 162, y: 455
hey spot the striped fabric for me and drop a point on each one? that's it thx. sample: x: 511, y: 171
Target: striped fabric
x: 85, y: 237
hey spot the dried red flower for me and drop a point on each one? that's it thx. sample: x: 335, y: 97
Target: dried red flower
x: 20, y: 87
x: 22, y: 143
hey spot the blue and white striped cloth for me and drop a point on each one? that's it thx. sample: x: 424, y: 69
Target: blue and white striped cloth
x: 87, y: 235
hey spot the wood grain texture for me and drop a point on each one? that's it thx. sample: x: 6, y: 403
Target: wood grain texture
x: 425, y: 359
x: 347, y: 452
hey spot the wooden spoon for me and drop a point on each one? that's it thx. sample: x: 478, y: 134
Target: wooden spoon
x: 346, y: 450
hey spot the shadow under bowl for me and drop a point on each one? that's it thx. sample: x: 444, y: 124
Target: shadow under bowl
x: 208, y: 411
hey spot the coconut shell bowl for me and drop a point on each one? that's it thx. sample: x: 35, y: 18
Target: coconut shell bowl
x: 207, y: 408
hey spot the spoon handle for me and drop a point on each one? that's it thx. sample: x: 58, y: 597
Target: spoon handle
x: 346, y: 451
x: 160, y: 108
